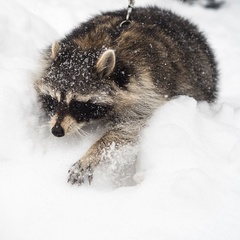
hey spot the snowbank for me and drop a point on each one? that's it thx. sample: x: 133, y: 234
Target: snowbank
x: 188, y: 168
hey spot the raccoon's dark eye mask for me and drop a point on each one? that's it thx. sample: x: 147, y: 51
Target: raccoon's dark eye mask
x: 49, y: 103
x: 85, y: 111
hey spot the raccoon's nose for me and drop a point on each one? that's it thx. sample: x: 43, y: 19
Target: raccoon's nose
x: 58, y: 131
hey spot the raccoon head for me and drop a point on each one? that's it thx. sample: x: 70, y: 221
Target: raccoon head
x: 75, y: 88
x: 70, y: 113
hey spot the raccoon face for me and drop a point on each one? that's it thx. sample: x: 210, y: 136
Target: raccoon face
x: 68, y: 117
x: 78, y: 101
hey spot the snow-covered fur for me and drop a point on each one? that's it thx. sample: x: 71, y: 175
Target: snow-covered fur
x: 118, y: 74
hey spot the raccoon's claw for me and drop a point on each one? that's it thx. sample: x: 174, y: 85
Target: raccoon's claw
x: 78, y: 174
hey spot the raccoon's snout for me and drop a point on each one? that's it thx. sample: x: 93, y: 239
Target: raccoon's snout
x: 61, y: 126
x: 58, y: 131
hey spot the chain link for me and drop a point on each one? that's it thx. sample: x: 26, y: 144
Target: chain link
x: 129, y: 11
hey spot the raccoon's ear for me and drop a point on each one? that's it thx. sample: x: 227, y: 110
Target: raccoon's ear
x: 55, y: 49
x: 106, y: 63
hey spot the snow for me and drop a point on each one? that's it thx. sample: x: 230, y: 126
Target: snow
x: 188, y: 170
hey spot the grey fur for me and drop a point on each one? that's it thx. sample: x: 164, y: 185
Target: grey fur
x: 121, y: 74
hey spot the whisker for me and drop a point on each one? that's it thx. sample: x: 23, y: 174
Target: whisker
x: 77, y: 132
x: 84, y: 133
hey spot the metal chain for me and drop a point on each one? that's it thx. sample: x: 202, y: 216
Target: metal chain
x: 129, y: 11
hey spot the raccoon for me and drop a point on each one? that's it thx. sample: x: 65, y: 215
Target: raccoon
x: 114, y: 74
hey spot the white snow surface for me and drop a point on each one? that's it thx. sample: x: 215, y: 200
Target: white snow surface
x: 188, y: 169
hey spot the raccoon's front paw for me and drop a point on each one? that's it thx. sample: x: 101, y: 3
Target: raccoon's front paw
x: 78, y: 173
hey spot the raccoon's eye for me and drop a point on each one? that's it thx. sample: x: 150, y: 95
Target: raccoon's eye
x: 85, y: 111
x: 83, y: 108
x: 78, y: 105
x: 49, y: 104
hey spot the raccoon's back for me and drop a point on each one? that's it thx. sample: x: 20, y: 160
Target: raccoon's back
x: 169, y: 47
x: 189, y: 67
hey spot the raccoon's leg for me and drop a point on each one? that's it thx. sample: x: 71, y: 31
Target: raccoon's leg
x: 100, y: 151
x: 84, y: 167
